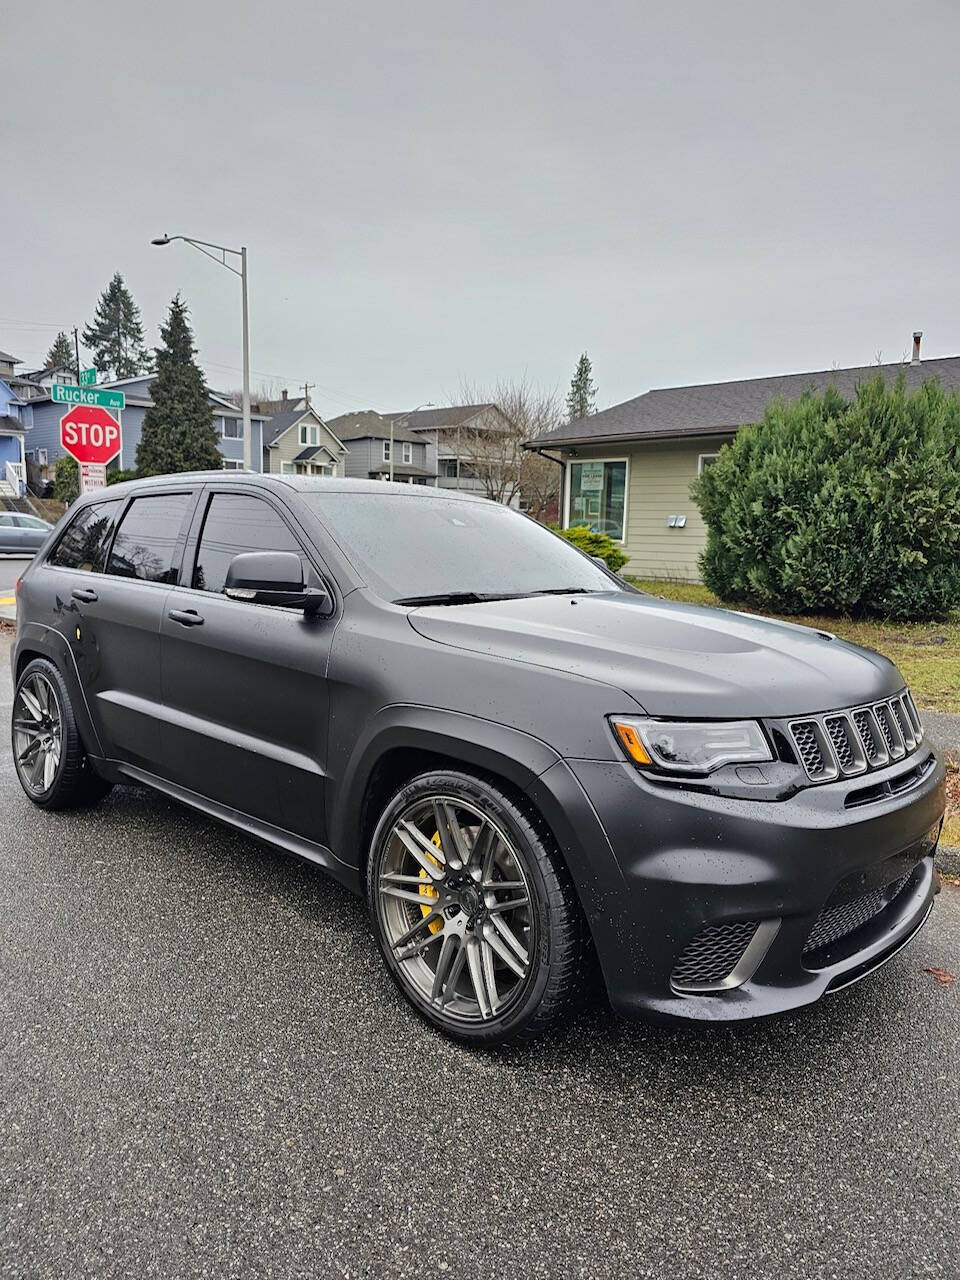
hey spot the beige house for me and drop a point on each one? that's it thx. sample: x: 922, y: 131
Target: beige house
x: 297, y: 441
x: 627, y: 470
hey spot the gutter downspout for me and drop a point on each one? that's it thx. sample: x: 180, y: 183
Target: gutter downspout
x: 561, y: 463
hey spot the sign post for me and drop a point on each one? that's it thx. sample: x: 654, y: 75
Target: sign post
x: 93, y: 436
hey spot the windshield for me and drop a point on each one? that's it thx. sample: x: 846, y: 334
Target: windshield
x: 419, y: 548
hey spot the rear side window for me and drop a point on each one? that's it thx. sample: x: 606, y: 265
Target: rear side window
x: 84, y: 544
x: 146, y: 541
x: 234, y: 524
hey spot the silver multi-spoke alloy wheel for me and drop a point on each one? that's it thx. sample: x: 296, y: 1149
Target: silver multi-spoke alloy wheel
x: 455, y: 906
x: 37, y: 733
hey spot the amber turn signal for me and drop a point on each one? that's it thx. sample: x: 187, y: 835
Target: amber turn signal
x: 630, y: 741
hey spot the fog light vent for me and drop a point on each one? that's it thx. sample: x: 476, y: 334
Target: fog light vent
x: 708, y: 961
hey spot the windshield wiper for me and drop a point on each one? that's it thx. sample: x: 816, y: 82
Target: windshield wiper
x: 566, y: 591
x: 459, y: 597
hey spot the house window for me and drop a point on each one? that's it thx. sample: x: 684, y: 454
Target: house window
x: 596, y: 495
x: 232, y: 464
x: 407, y: 452
x: 286, y: 468
x: 231, y: 428
x: 706, y: 460
x: 386, y: 450
x: 309, y: 433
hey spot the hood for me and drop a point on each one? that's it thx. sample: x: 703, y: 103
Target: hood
x: 673, y: 659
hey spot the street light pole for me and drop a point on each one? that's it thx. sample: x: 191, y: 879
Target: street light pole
x: 212, y: 250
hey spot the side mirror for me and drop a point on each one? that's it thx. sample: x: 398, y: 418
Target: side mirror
x: 599, y: 560
x: 274, y: 578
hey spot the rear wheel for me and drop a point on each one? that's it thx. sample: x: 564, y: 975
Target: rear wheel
x: 50, y: 760
x: 474, y: 911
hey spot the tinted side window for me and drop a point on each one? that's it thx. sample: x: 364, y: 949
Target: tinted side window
x: 84, y: 544
x: 235, y: 523
x: 147, y: 538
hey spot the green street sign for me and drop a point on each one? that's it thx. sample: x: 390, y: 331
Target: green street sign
x: 88, y: 377
x: 60, y: 394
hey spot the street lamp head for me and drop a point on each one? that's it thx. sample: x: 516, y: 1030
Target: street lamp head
x: 161, y: 240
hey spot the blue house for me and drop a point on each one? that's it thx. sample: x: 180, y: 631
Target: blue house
x: 12, y: 430
x: 41, y: 417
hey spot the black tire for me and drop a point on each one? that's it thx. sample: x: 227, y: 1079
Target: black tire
x: 71, y: 783
x: 559, y: 954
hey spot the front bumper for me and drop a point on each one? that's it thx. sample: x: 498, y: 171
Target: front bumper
x: 687, y: 861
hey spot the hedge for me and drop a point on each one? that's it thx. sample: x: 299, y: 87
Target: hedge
x: 836, y: 506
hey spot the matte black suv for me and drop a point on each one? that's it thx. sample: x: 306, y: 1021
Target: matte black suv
x: 523, y: 762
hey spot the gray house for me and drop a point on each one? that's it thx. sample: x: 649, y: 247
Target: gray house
x: 297, y: 441
x: 41, y: 416
x: 368, y: 437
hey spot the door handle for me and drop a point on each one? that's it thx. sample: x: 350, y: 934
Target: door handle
x: 186, y: 617
x: 85, y: 594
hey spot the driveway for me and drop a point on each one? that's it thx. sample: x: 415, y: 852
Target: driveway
x: 204, y: 1071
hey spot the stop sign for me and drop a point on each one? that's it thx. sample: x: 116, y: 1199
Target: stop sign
x: 90, y: 434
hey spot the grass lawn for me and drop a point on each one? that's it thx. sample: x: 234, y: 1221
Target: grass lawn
x: 928, y: 653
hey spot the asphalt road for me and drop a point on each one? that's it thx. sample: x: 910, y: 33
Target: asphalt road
x: 204, y: 1071
x: 11, y: 567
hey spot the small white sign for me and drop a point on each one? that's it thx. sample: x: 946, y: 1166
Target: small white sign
x: 591, y: 477
x: 93, y: 475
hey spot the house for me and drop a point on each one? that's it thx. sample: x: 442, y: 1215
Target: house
x: 41, y: 416
x: 368, y: 437
x: 297, y: 441
x: 12, y: 432
x: 457, y: 434
x: 627, y: 470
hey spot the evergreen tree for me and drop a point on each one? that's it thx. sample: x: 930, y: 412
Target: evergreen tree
x: 582, y: 396
x: 178, y: 433
x: 115, y: 335
x: 62, y: 352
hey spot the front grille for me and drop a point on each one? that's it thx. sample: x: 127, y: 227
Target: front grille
x: 857, y: 740
x: 835, y: 922
x: 712, y: 955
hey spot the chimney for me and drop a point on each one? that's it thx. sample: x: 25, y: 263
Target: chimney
x: 916, y: 346
x: 283, y: 394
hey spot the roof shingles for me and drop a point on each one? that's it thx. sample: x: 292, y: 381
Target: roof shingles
x: 718, y: 407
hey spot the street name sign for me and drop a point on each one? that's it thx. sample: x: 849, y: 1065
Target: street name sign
x: 62, y: 394
x: 88, y: 377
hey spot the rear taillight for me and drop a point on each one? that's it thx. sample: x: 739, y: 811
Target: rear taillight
x: 16, y: 589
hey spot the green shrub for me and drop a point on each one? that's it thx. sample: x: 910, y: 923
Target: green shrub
x: 595, y: 544
x: 66, y: 479
x: 840, y: 507
x: 118, y: 476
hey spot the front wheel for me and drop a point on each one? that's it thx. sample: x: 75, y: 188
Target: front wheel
x: 474, y: 911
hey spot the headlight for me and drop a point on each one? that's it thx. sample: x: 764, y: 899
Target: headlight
x: 692, y: 746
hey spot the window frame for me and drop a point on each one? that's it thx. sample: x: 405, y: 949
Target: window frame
x: 176, y: 562
x: 702, y: 457
x: 568, y: 487
x: 406, y: 453
x: 386, y: 450
x: 191, y: 549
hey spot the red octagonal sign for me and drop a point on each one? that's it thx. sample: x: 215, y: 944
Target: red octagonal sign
x: 90, y: 434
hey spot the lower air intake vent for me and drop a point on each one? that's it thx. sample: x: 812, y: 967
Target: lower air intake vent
x: 712, y: 956
x: 834, y: 923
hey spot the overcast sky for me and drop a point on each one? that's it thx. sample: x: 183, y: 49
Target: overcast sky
x: 434, y: 193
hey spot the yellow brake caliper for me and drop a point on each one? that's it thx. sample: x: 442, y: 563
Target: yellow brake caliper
x: 428, y: 891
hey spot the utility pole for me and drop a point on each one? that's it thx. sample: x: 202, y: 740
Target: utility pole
x: 76, y: 348
x: 307, y: 388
